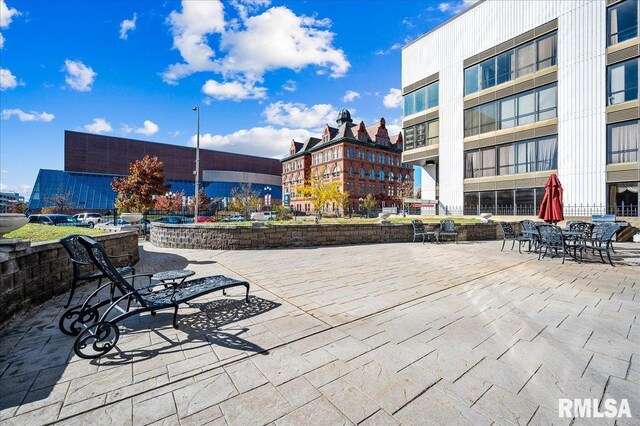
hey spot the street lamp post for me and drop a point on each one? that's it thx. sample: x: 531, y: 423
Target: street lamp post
x: 267, y: 197
x: 170, y: 195
x: 197, y: 200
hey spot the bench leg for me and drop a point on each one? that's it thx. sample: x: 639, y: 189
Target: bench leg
x: 247, y: 296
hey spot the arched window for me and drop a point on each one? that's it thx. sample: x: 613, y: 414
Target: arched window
x: 381, y: 175
x: 325, y: 173
x: 336, y: 171
x: 390, y: 176
x: 372, y: 174
x: 351, y: 171
x: 362, y: 173
x: 399, y: 177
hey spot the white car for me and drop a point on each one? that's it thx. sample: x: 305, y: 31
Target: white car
x: 234, y: 218
x: 90, y: 219
x: 264, y: 216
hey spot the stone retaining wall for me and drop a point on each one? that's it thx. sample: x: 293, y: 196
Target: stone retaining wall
x: 251, y: 237
x: 33, y: 275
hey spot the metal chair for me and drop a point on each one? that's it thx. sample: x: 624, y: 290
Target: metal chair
x: 530, y: 231
x: 448, y: 229
x: 509, y: 234
x: 551, y: 238
x: 420, y: 230
x: 97, y: 332
x: 83, y: 267
x: 602, y: 239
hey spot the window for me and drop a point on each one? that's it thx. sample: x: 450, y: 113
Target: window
x: 547, y: 154
x: 381, y: 175
x: 409, y: 138
x: 471, y: 203
x: 507, y: 113
x: 488, y: 162
x: 487, y: 116
x: 472, y: 164
x: 523, y: 60
x: 547, y: 103
x: 433, y: 98
x: 622, y: 82
x: 622, y: 142
x: 399, y: 177
x: 409, y: 101
x: 421, y: 136
x: 488, y: 73
x: 488, y: 202
x: 526, y: 108
x: 507, y: 157
x: 505, y: 67
x: 390, y: 176
x: 622, y: 198
x: 361, y: 154
x: 504, y: 202
x: 622, y: 22
x: 471, y: 79
x: 351, y: 171
x: 372, y: 174
x: 421, y: 99
x: 434, y: 132
x: 471, y: 122
x: 362, y: 173
x: 525, y: 201
x: 525, y: 156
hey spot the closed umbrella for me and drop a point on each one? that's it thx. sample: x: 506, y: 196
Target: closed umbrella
x: 551, y: 207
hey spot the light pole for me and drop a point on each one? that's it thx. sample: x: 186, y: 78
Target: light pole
x: 170, y: 195
x: 267, y: 197
x: 197, y: 200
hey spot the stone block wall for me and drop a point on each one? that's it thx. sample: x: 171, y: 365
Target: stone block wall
x: 249, y: 237
x: 31, y: 276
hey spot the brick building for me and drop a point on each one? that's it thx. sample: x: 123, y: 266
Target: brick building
x: 364, y: 160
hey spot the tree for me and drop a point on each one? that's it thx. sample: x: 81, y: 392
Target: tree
x: 146, y: 179
x: 18, y: 208
x: 204, y: 201
x: 59, y: 203
x: 244, y: 199
x: 370, y: 203
x: 169, y: 203
x: 320, y: 193
x: 404, y: 190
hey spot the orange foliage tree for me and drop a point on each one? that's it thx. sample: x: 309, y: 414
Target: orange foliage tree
x: 169, y: 203
x: 146, y: 179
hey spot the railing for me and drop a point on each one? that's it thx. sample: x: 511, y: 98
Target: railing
x: 623, y: 210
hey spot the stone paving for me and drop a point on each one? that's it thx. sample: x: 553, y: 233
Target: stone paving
x: 372, y: 334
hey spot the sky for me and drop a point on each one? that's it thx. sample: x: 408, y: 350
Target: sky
x: 263, y: 72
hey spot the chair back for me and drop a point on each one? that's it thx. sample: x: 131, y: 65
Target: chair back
x: 507, y: 230
x: 528, y: 225
x: 577, y: 226
x: 587, y: 232
x: 418, y: 226
x: 77, y: 252
x: 608, y: 230
x: 102, y: 262
x: 447, y: 225
x: 551, y: 235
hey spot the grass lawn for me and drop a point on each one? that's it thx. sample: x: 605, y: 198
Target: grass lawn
x: 37, y: 233
x: 309, y: 220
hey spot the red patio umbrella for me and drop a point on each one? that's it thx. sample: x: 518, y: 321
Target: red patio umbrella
x: 551, y: 207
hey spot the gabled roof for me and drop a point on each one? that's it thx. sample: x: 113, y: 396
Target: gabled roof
x: 345, y: 132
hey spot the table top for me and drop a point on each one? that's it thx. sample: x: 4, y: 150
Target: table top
x: 172, y: 275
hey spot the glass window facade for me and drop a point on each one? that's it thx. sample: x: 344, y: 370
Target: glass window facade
x: 622, y: 22
x: 422, y: 134
x: 421, y: 99
x: 622, y: 142
x: 622, y: 82
x: 524, y: 108
x: 523, y: 60
x: 533, y: 155
x: 622, y: 198
x: 504, y: 202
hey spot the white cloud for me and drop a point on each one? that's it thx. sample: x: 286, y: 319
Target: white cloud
x: 190, y: 29
x: 278, y: 38
x: 455, y: 6
x: 7, y: 14
x: 350, y: 96
x: 1, y: 41
x: 79, y: 76
x: 128, y: 25
x: 27, y: 116
x: 174, y: 134
x: 395, y: 46
x: 7, y: 80
x: 245, y: 7
x: 99, y: 125
x: 290, y: 86
x: 233, y: 90
x: 4, y: 171
x: 263, y: 141
x: 298, y: 115
x: 148, y: 128
x: 444, y: 7
x: 393, y: 99
x: 22, y: 189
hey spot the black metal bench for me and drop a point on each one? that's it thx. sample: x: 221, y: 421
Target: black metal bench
x: 97, y: 332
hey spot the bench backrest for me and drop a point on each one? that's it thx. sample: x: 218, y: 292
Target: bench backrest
x: 418, y: 226
x: 447, y: 225
x: 102, y: 262
x: 507, y: 230
x: 77, y: 252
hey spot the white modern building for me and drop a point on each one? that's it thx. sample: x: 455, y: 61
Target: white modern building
x: 508, y: 92
x: 8, y: 199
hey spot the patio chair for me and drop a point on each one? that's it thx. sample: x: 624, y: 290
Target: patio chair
x: 509, y: 234
x: 97, y: 333
x: 448, y: 229
x: 601, y: 239
x: 551, y: 238
x: 419, y: 230
x: 83, y: 267
x: 530, y: 231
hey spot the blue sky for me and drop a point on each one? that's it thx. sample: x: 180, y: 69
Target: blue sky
x: 262, y: 71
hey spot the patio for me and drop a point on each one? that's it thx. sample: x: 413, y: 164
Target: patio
x: 378, y: 334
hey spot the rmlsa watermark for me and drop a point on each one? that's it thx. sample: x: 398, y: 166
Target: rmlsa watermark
x: 581, y: 408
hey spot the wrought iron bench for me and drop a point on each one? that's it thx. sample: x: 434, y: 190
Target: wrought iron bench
x: 82, y: 262
x: 419, y: 230
x: 97, y: 332
x: 448, y: 229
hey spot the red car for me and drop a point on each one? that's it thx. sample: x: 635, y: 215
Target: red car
x: 206, y: 219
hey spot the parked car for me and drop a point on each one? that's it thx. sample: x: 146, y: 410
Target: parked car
x: 267, y: 215
x: 90, y: 219
x: 175, y: 220
x: 234, y: 218
x: 56, y: 220
x: 202, y: 219
x: 119, y: 222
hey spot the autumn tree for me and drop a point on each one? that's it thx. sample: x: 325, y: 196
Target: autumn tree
x: 321, y: 193
x: 146, y: 179
x: 59, y: 203
x: 18, y: 207
x: 404, y: 190
x: 244, y: 199
x: 204, y: 201
x: 370, y: 203
x: 169, y: 203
